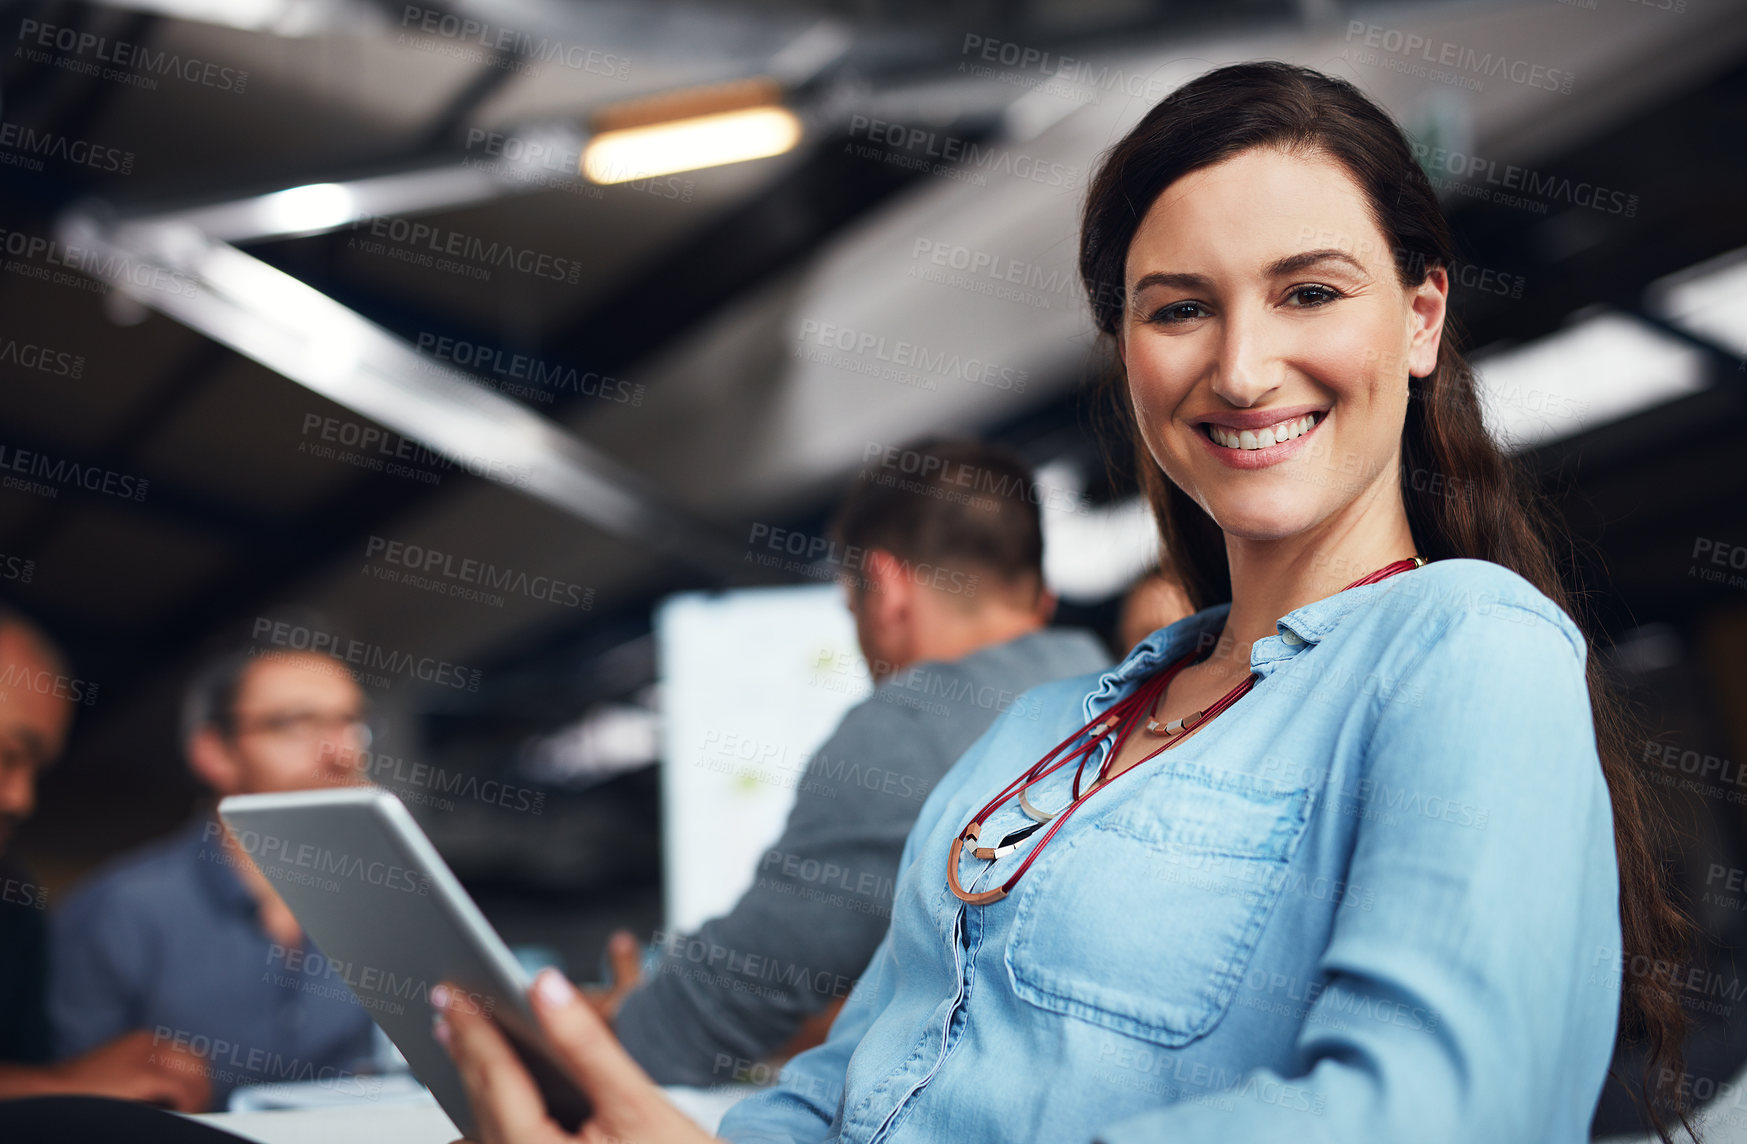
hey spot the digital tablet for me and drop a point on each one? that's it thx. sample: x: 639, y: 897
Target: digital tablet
x: 391, y: 921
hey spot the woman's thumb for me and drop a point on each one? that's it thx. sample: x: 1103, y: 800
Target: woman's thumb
x: 583, y: 1042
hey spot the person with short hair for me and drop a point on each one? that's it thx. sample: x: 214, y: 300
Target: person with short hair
x: 943, y: 556
x: 184, y: 936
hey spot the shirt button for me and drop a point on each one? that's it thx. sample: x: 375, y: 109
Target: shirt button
x: 1290, y: 638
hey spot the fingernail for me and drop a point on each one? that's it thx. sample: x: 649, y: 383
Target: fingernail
x: 440, y: 1029
x: 440, y: 997
x: 553, y: 989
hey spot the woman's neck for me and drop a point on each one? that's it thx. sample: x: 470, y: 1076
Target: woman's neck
x: 1270, y: 578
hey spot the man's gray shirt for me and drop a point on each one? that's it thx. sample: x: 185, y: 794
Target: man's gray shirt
x: 736, y: 991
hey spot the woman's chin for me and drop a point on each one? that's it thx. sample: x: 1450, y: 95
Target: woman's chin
x: 1276, y: 519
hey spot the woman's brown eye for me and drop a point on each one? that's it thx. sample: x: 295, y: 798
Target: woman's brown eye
x: 1176, y: 312
x: 1314, y: 295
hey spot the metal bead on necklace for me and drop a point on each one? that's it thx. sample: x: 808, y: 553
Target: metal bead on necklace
x: 1181, y: 725
x: 1176, y: 726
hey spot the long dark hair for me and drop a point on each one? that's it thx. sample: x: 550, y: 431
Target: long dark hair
x: 1482, y: 506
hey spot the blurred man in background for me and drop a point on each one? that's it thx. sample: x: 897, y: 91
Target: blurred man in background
x: 185, y: 936
x: 35, y: 713
x: 942, y: 547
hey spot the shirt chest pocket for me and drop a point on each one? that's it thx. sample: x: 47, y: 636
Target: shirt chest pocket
x: 1145, y: 921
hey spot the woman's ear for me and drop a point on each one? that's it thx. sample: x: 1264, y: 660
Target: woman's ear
x: 1428, y: 305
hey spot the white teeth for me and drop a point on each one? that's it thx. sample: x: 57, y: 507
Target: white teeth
x: 1262, y: 438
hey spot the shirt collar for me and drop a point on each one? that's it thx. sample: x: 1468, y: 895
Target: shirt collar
x: 1296, y: 631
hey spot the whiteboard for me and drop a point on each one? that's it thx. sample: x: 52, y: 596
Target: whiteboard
x: 753, y: 681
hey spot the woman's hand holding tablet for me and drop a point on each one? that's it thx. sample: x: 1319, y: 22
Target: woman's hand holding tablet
x: 628, y: 1107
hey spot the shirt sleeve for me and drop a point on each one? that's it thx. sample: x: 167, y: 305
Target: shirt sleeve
x: 738, y: 989
x: 94, y: 983
x: 1479, y: 997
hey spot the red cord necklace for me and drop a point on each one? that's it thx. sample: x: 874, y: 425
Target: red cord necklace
x: 1123, y: 717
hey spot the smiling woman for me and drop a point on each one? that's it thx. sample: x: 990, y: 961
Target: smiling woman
x: 1381, y: 864
x: 1344, y: 329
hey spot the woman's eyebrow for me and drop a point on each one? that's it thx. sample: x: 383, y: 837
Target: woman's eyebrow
x: 1280, y: 267
x: 1163, y: 278
x: 1293, y: 263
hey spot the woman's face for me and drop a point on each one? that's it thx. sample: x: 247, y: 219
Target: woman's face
x: 1268, y: 344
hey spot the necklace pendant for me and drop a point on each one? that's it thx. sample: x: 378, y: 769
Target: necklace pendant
x: 1031, y: 809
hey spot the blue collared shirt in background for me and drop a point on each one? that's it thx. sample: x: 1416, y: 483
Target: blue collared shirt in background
x: 1374, y: 901
x: 168, y: 939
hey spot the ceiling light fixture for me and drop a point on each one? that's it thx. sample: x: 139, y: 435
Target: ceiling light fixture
x: 689, y: 130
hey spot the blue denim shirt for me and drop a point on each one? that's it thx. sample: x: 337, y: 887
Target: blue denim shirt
x: 1375, y: 900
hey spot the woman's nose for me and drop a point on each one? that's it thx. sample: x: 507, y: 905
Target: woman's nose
x: 1248, y: 368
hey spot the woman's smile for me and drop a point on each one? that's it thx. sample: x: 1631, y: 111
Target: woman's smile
x: 1258, y: 438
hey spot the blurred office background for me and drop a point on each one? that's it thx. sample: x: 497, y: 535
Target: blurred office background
x: 297, y: 295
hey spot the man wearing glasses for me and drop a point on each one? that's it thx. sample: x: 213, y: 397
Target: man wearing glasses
x: 184, y: 936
